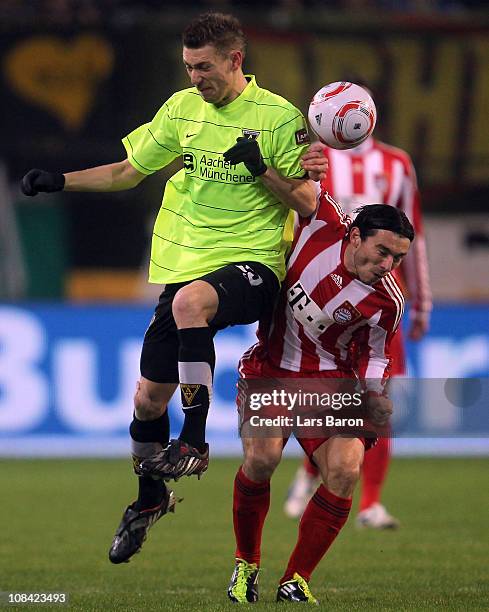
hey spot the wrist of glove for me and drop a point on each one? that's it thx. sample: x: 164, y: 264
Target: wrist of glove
x: 36, y: 181
x: 247, y: 151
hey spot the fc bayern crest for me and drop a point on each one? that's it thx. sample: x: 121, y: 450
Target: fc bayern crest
x: 346, y: 313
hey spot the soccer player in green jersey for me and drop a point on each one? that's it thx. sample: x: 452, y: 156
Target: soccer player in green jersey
x: 219, y: 242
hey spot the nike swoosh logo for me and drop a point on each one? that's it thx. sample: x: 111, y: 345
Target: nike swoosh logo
x: 189, y: 135
x: 190, y: 407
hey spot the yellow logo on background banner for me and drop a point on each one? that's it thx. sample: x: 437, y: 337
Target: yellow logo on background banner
x: 189, y: 392
x: 62, y: 77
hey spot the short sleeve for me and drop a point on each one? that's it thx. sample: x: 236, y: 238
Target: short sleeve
x: 374, y: 360
x: 290, y: 140
x: 154, y: 145
x: 330, y: 210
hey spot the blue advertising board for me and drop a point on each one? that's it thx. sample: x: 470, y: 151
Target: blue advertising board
x: 68, y: 374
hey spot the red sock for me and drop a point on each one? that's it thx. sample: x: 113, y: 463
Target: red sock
x: 310, y: 468
x: 250, y: 507
x: 321, y: 522
x: 374, y: 472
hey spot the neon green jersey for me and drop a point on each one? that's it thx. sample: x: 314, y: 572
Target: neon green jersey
x: 214, y: 213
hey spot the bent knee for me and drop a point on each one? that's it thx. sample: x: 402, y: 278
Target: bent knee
x: 260, y: 464
x: 195, y: 302
x: 185, y: 302
x: 344, y: 475
x: 190, y: 302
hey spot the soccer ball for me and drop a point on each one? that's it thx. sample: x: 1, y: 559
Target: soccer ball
x: 342, y: 115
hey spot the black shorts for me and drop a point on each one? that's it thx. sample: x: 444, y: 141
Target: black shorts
x: 247, y: 293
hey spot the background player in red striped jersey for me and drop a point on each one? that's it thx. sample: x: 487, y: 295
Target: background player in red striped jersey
x: 338, y: 292
x: 371, y: 173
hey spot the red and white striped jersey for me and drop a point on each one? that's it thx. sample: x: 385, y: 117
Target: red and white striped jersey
x: 376, y: 173
x: 323, y: 309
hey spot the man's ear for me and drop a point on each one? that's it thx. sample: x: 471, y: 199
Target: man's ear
x: 355, y: 238
x: 236, y: 59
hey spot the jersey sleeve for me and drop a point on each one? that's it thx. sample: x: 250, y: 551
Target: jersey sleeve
x: 154, y: 145
x: 374, y: 344
x: 330, y: 210
x: 290, y: 139
x: 415, y: 264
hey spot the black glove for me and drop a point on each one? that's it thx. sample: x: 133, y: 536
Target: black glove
x: 247, y: 150
x: 39, y: 180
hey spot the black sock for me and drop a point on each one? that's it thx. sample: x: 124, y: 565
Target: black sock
x: 152, y: 435
x: 196, y: 360
x: 157, y: 430
x: 150, y: 492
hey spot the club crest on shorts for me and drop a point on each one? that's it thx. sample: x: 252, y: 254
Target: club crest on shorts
x: 346, y: 313
x: 251, y: 276
x: 250, y: 134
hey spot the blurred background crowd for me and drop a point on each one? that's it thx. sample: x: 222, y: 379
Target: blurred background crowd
x: 77, y: 75
x: 91, y: 12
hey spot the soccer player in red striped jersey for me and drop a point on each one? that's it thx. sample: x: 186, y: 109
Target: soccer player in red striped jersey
x: 338, y: 292
x: 375, y: 172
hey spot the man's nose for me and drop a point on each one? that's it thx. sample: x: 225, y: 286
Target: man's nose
x: 195, y: 77
x: 387, y: 263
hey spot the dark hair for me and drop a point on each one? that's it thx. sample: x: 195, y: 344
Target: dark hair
x: 375, y: 217
x: 218, y: 29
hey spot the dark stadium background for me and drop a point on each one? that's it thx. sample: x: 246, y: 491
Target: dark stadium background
x: 76, y: 76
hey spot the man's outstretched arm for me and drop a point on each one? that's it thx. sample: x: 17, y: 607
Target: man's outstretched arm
x: 297, y: 194
x: 112, y: 177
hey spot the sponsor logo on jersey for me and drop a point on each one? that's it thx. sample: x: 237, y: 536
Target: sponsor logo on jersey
x: 337, y: 280
x: 251, y: 134
x: 302, y: 136
x: 189, y: 163
x: 212, y: 166
x: 306, y: 311
x: 346, y: 313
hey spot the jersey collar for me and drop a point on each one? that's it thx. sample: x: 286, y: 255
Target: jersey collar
x: 247, y: 93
